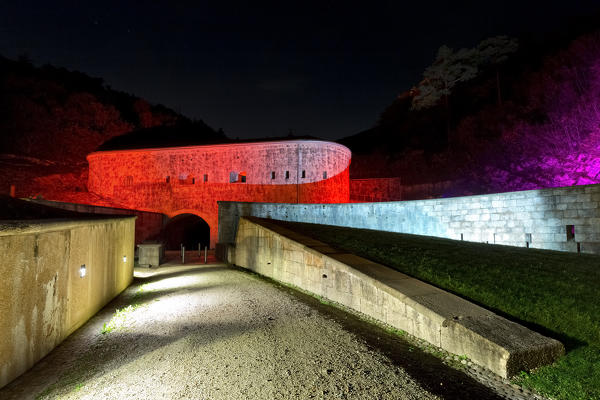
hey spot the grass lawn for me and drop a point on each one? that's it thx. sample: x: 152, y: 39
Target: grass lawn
x: 554, y: 293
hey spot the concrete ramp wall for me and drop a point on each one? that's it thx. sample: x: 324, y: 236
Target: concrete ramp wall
x: 43, y: 295
x: 443, y: 319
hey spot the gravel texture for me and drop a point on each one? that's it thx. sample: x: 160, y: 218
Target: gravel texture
x: 215, y: 332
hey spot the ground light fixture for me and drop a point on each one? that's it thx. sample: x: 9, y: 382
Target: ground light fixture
x: 82, y: 271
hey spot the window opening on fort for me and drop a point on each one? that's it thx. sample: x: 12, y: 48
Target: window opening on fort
x: 324, y: 174
x: 168, y: 179
x: 205, y: 177
x: 287, y: 174
x: 303, y: 174
x: 129, y: 180
x: 233, y: 177
x: 272, y: 174
x: 570, y: 233
x: 242, y: 177
x: 186, y: 179
x: 527, y: 239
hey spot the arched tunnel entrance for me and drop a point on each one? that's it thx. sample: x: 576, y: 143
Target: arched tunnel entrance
x: 188, y: 229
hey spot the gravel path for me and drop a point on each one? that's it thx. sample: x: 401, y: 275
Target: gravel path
x: 215, y: 332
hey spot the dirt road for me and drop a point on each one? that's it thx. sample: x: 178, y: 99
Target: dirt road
x: 215, y: 332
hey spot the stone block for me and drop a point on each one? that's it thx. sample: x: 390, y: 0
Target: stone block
x: 150, y: 254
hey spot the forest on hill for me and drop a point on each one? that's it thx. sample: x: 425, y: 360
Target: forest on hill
x: 54, y: 114
x: 507, y: 114
x: 504, y: 115
x: 51, y: 118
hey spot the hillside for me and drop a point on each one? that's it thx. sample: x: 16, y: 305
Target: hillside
x: 51, y: 118
x: 527, y: 122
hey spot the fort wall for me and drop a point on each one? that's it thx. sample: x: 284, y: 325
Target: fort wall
x: 392, y: 189
x: 192, y: 179
x: 566, y: 219
x: 375, y: 189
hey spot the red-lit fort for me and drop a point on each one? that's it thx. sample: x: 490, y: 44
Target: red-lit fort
x: 179, y: 181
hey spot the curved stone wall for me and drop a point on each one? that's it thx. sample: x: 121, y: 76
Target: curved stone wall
x: 194, y: 178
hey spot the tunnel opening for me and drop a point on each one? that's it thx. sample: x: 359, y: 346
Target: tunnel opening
x: 187, y: 229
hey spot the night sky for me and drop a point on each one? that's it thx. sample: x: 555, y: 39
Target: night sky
x: 257, y: 69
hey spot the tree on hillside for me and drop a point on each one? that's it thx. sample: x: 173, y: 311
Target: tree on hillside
x: 554, y: 140
x: 494, y: 51
x: 448, y: 69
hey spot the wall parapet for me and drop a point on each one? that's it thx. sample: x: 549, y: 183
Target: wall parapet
x: 148, y: 224
x: 422, y: 310
x: 565, y: 219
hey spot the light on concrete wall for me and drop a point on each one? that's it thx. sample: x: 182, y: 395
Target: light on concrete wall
x: 82, y: 271
x: 124, y: 259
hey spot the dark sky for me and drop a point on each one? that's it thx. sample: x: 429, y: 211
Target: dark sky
x: 255, y: 69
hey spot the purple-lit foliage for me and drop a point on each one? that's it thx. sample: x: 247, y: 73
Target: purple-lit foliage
x: 552, y: 138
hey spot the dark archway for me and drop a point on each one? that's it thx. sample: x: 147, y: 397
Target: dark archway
x: 188, y: 229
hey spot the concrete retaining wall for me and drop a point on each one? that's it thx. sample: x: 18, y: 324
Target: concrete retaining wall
x: 543, y: 218
x: 422, y: 310
x: 43, y: 299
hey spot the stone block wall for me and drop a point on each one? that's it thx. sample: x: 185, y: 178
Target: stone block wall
x: 565, y: 219
x: 43, y: 297
x: 174, y: 181
x: 375, y: 189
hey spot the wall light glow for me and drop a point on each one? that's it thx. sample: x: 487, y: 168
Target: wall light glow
x: 82, y: 271
x: 124, y: 258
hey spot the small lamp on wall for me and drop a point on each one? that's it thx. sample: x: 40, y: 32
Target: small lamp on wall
x: 82, y: 271
x: 124, y: 259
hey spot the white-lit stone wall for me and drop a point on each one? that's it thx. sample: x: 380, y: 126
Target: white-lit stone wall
x: 504, y: 218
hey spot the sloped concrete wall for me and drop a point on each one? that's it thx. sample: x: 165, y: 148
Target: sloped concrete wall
x: 43, y: 299
x: 538, y: 216
x: 443, y: 319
